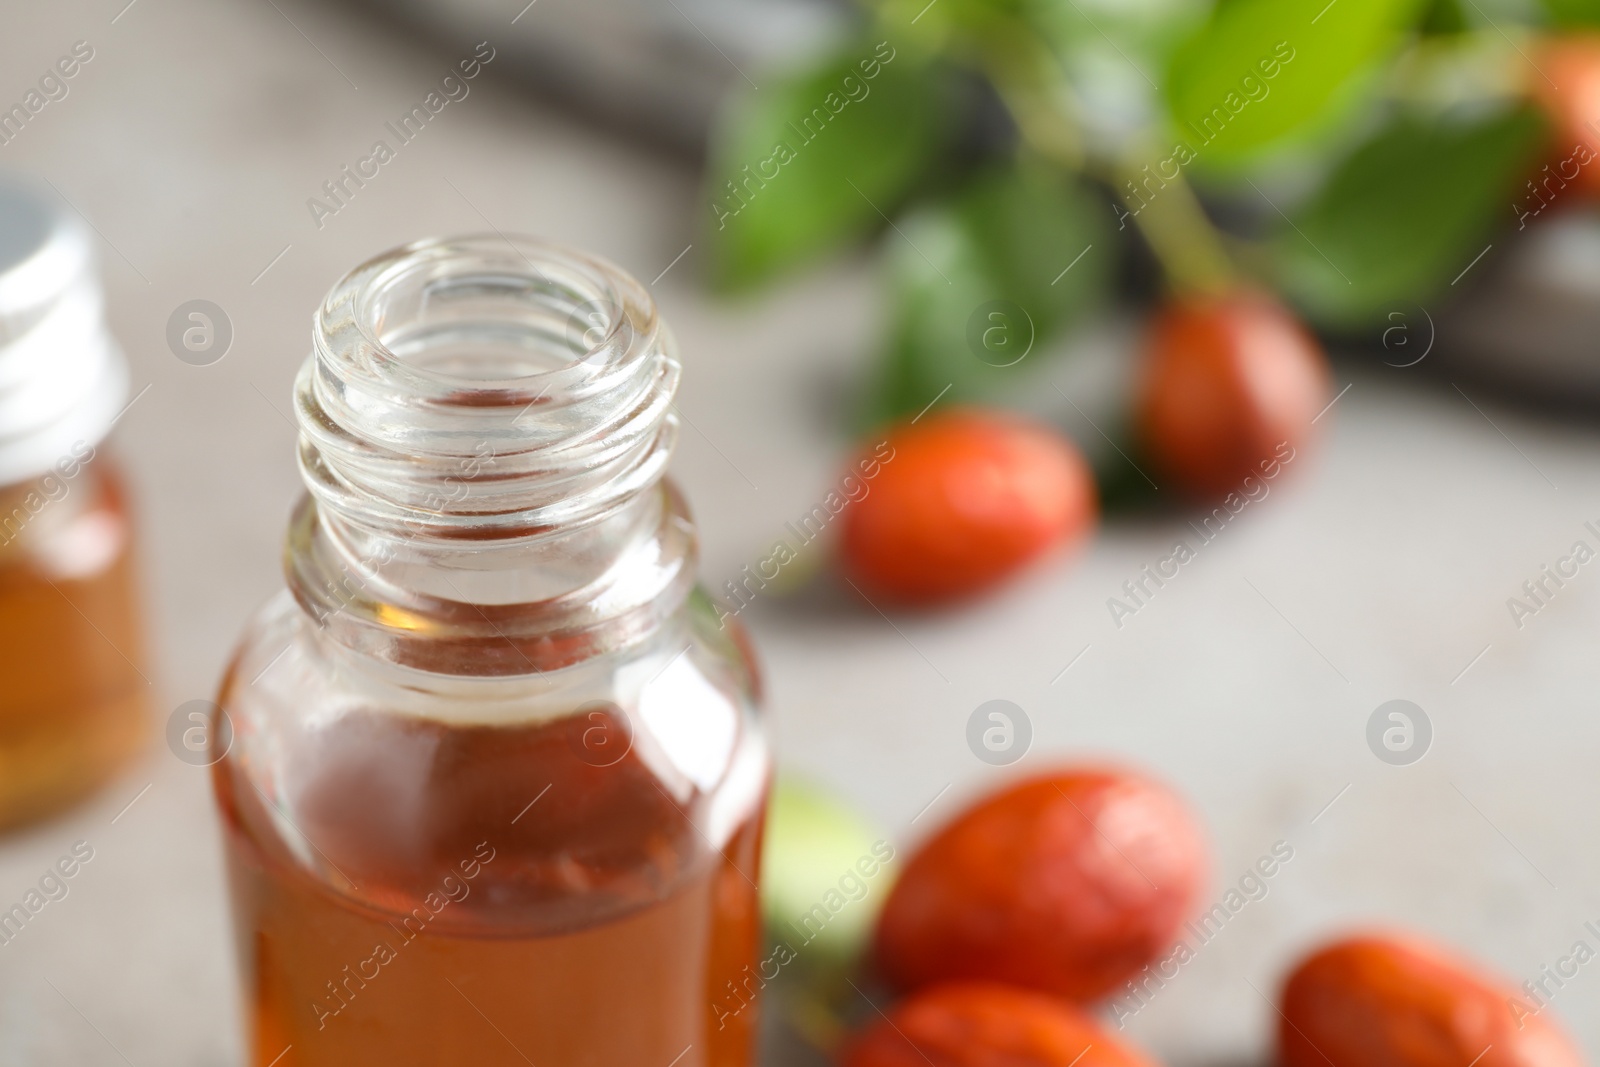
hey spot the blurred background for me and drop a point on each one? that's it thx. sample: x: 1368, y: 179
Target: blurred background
x: 830, y: 245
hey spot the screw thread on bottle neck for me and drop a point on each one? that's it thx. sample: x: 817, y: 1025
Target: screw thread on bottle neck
x: 484, y: 424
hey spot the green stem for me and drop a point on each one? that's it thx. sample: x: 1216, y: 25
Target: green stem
x: 1170, y: 217
x: 1026, y: 89
x: 1174, y: 225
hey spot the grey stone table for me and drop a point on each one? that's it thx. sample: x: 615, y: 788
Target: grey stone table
x: 192, y: 141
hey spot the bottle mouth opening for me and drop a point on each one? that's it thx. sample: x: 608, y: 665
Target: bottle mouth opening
x: 489, y: 312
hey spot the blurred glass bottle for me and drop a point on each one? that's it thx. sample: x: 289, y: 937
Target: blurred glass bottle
x: 72, y: 702
x: 490, y: 771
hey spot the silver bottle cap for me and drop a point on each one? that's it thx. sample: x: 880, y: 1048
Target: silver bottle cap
x: 63, y: 379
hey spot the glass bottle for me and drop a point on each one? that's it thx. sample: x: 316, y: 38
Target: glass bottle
x: 73, y: 703
x: 490, y: 772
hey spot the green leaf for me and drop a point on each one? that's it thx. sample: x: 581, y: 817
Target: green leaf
x: 1262, y: 70
x: 967, y: 15
x: 1405, y: 213
x: 1573, y: 13
x: 805, y: 165
x: 1445, y: 17
x: 984, y: 281
x: 817, y: 849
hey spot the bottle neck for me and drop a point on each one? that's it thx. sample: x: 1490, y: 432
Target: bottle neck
x: 484, y: 428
